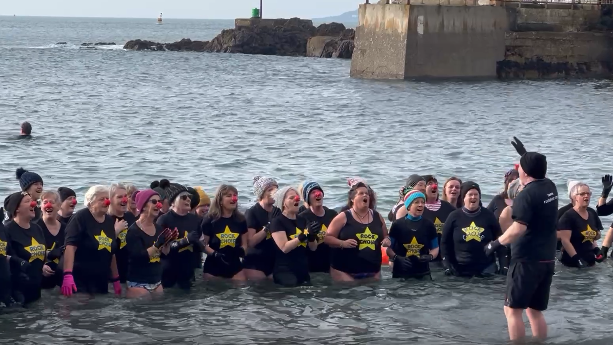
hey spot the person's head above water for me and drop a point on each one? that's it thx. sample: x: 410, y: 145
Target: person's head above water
x: 26, y: 128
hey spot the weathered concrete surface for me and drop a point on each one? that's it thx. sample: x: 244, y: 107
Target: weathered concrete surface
x: 318, y: 46
x: 455, y: 41
x: 553, y: 55
x: 380, y: 42
x: 552, y: 19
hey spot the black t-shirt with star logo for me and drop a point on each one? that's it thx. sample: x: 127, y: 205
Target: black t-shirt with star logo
x: 438, y: 218
x: 28, y: 245
x: 257, y: 218
x: 319, y: 260
x: 295, y: 261
x: 142, y: 268
x: 411, y: 239
x: 51, y: 241
x: 583, y: 233
x: 122, y: 256
x: 181, y: 262
x: 95, y: 245
x: 465, y: 236
x: 225, y: 234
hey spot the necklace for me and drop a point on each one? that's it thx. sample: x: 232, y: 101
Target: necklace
x: 360, y: 216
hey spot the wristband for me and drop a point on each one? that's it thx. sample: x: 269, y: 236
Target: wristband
x: 116, y: 279
x: 67, y: 273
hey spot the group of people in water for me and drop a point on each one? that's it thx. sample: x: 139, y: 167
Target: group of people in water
x: 153, y: 239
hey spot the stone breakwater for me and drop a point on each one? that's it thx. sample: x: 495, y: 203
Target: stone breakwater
x: 292, y: 37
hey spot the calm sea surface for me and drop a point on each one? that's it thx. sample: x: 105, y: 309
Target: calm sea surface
x: 108, y: 115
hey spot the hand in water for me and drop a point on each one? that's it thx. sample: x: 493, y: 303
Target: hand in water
x: 607, y: 184
x: 351, y: 243
x: 519, y: 146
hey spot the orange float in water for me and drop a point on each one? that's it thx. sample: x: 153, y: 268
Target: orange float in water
x: 384, y: 259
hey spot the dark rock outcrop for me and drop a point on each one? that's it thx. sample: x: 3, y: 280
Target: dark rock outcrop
x: 104, y: 44
x: 288, y: 39
x: 344, y: 50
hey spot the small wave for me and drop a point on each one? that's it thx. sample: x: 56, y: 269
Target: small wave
x: 77, y: 46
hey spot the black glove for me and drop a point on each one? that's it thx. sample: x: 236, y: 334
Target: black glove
x: 426, y: 258
x: 56, y: 253
x: 162, y: 238
x: 401, y: 263
x: 579, y: 261
x: 503, y: 271
x: 221, y: 257
x: 240, y: 251
x: 314, y: 229
x: 302, y: 238
x: 180, y: 244
x: 607, y: 184
x: 23, y: 265
x: 604, y: 251
x: 449, y: 272
x: 491, y: 247
x: 519, y: 146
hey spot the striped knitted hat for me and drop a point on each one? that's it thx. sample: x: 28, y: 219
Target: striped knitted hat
x: 411, y: 196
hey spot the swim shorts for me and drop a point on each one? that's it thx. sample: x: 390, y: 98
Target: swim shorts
x: 528, y: 285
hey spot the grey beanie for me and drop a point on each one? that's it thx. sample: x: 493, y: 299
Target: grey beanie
x: 280, y: 196
x: 260, y: 184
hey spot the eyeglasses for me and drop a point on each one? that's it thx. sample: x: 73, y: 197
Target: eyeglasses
x: 585, y: 194
x: 185, y: 197
x: 154, y: 201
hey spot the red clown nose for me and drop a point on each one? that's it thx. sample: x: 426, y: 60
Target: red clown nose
x: 107, y: 202
x: 297, y: 197
x: 33, y: 204
x: 517, y: 167
x: 234, y: 198
x: 74, y: 202
x: 48, y: 205
x: 318, y: 194
x: 158, y: 205
x: 124, y: 200
x: 434, y: 186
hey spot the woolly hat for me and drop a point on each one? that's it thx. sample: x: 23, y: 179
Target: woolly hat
x: 534, y: 164
x: 195, y: 200
x: 280, y: 196
x: 410, y: 183
x: 411, y: 196
x: 261, y: 184
x: 466, y: 187
x: 172, y: 190
x: 204, y: 198
x: 513, y: 189
x: 66, y: 193
x: 429, y: 178
x: 353, y: 182
x: 155, y: 185
x: 308, y: 187
x: 27, y: 178
x: 11, y: 203
x: 571, y: 184
x: 142, y: 197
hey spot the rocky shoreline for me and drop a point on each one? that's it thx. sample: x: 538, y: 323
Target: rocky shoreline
x: 293, y: 38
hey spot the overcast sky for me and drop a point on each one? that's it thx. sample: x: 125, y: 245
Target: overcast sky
x: 208, y: 9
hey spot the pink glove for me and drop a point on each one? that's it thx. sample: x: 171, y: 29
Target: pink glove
x: 68, y: 285
x: 117, y: 286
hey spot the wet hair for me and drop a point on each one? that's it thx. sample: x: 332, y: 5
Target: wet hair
x: 511, y: 175
x: 26, y: 128
x: 216, y: 209
x: 444, y: 196
x: 93, y: 191
x: 113, y: 188
x: 575, y: 191
x: 372, y: 200
x: 47, y: 193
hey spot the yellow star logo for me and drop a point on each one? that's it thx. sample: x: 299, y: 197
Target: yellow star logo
x: 322, y: 234
x: 2, y: 248
x: 472, y: 232
x: 298, y: 233
x: 155, y: 257
x: 122, y: 238
x: 438, y: 225
x: 413, y: 248
x: 36, y: 250
x: 104, y: 242
x: 589, y: 235
x: 190, y: 247
x: 367, y: 239
x: 227, y: 238
x: 57, y: 261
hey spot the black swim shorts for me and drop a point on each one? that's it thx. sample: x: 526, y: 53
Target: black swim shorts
x: 528, y: 285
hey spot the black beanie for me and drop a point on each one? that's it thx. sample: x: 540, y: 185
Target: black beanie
x: 11, y: 203
x: 195, y: 200
x: 429, y: 178
x: 66, y: 193
x: 466, y: 187
x: 27, y: 178
x: 155, y: 185
x: 534, y: 164
x: 172, y: 190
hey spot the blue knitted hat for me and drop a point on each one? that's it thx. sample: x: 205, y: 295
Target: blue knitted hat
x: 27, y: 178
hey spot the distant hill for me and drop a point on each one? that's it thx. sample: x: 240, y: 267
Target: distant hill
x: 347, y: 17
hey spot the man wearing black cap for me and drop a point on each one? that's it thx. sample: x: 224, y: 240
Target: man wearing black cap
x: 533, y: 246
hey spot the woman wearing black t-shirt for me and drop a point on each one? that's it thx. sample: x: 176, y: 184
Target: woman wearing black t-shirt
x: 467, y: 232
x: 578, y: 230
x: 145, y: 241
x: 27, y: 244
x: 55, y: 235
x: 118, y: 210
x: 89, y: 257
x: 355, y: 237
x: 5, y: 270
x: 291, y: 234
x: 414, y: 240
x: 225, y: 236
